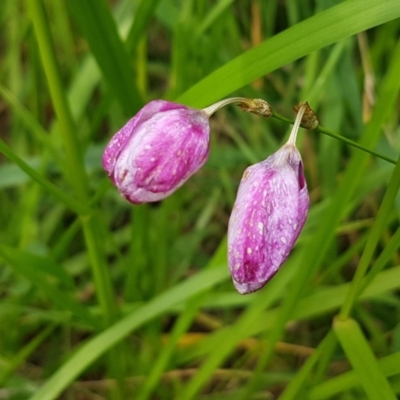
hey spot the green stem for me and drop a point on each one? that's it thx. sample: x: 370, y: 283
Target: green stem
x: 76, y: 174
x: 321, y: 129
x: 100, y: 272
x: 326, y: 131
x: 68, y: 131
x: 73, y: 153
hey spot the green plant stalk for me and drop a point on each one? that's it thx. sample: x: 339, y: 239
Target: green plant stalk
x: 325, y: 131
x: 74, y: 159
x: 100, y: 272
x: 77, y: 174
x: 225, y: 347
x: 373, y: 240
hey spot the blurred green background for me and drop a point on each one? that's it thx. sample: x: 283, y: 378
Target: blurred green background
x: 101, y: 299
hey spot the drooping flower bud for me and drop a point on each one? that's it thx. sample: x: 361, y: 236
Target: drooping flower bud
x: 159, y: 149
x: 270, y: 210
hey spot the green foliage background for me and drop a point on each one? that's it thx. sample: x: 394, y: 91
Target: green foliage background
x: 102, y: 299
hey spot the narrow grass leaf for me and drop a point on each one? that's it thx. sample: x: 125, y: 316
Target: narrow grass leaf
x: 24, y: 353
x: 389, y: 366
x: 33, y: 267
x: 323, y: 29
x: 143, y: 15
x: 69, y: 201
x: 297, y: 386
x: 97, y: 24
x: 98, y: 345
x: 363, y: 360
x: 324, y: 301
x: 374, y: 237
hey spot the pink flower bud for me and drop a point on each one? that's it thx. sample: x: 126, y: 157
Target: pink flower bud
x: 157, y: 151
x: 270, y: 210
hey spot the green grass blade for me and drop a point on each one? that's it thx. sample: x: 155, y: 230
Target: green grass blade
x: 389, y: 251
x: 29, y: 120
x: 143, y: 14
x: 95, y: 347
x: 34, y: 268
x: 384, y: 210
x: 69, y: 201
x: 317, y: 304
x: 295, y: 389
x: 323, y: 29
x: 363, y: 360
x: 389, y: 366
x: 24, y: 353
x: 96, y: 22
x: 76, y: 173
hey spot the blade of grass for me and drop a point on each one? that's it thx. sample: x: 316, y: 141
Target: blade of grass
x: 180, y: 327
x: 389, y: 366
x: 323, y: 29
x: 362, y: 360
x: 69, y: 201
x: 391, y: 248
x: 29, y: 120
x: 102, y: 342
x: 214, y: 14
x: 73, y: 149
x: 97, y: 24
x: 76, y: 174
x: 324, y: 301
x: 143, y: 15
x: 32, y: 268
x: 373, y: 241
x: 296, y: 387
x: 25, y: 352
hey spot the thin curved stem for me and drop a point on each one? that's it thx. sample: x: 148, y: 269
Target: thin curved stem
x: 328, y: 132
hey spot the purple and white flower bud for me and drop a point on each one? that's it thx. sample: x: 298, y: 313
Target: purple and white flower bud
x: 270, y: 210
x: 159, y: 149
